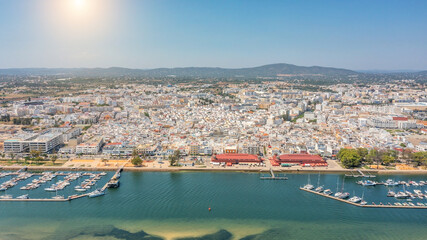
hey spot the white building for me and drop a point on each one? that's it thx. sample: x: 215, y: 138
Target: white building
x: 92, y: 146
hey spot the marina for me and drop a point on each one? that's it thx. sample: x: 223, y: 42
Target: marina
x: 405, y: 195
x: 373, y: 205
x: 30, y: 185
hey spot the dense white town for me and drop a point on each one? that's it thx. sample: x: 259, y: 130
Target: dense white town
x: 266, y: 119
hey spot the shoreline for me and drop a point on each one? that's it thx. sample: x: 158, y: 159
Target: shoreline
x: 192, y: 169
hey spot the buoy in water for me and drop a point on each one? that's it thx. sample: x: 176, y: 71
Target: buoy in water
x: 209, y: 209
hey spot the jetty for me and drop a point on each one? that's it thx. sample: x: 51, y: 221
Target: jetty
x: 114, y: 179
x: 273, y: 176
x: 73, y: 197
x: 360, y: 174
x: 373, y: 205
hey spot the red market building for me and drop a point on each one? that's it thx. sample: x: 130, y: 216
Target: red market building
x: 302, y: 159
x: 236, y: 158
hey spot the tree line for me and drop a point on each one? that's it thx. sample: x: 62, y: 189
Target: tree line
x: 361, y: 156
x: 22, y: 121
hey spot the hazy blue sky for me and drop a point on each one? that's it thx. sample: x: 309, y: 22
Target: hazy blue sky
x: 359, y: 34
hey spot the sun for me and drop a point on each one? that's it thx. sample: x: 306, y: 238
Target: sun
x: 79, y: 3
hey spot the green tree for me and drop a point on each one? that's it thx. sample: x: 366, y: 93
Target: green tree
x: 136, y: 161
x: 373, y: 156
x: 387, y: 159
x: 420, y: 158
x: 53, y: 158
x: 134, y: 153
x: 349, y: 158
x: 363, y: 152
x: 174, y: 158
x: 34, y: 153
x: 406, y: 155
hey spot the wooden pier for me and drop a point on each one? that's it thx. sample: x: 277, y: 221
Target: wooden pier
x: 35, y: 200
x: 115, y: 176
x: 73, y: 197
x: 361, y: 174
x: 360, y: 205
x: 273, y: 176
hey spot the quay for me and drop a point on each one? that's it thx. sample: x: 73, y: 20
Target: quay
x: 361, y: 174
x: 44, y: 199
x: 359, y: 205
x: 273, y: 176
x: 114, y: 179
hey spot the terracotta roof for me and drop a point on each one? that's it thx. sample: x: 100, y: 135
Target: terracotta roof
x: 400, y: 118
x: 235, y: 157
x: 116, y: 143
x: 299, y: 157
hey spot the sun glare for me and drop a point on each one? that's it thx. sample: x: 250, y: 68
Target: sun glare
x: 79, y: 3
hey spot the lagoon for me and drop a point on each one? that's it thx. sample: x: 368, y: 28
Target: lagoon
x: 174, y: 205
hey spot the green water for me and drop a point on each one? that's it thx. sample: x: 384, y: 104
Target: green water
x: 161, y: 205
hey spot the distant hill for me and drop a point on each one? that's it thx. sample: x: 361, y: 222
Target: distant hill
x: 272, y: 70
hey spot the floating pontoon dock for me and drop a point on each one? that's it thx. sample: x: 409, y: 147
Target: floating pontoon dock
x: 360, y: 205
x: 273, y: 176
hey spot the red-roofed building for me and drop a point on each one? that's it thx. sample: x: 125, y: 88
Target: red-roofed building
x: 313, y: 160
x: 236, y: 158
x: 113, y: 144
x: 400, y: 119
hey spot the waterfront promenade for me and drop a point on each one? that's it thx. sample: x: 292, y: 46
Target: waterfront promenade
x: 217, y: 169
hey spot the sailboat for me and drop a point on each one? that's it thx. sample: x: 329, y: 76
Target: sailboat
x: 58, y: 196
x: 5, y: 196
x: 355, y: 199
x: 319, y: 188
x: 337, y: 194
x: 308, y: 186
x: 343, y: 194
x: 363, y: 202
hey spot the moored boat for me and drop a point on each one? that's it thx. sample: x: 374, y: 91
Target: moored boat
x: 327, y: 192
x: 96, y: 193
x: 25, y: 196
x: 355, y: 199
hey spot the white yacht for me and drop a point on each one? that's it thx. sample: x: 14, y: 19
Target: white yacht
x: 308, y: 186
x: 58, y: 197
x: 391, y: 183
x: 6, y: 196
x: 391, y: 193
x: 319, y: 189
x: 25, y: 196
x: 327, y: 192
x: 344, y: 195
x: 96, y: 193
x: 355, y: 199
x: 401, y: 195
